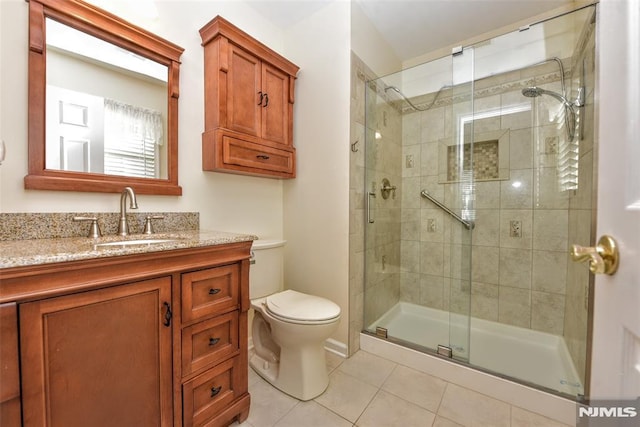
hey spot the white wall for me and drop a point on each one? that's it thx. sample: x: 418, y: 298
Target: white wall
x: 225, y: 202
x: 370, y: 46
x: 316, y: 203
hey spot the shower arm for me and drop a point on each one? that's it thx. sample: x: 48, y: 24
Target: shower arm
x: 469, y: 225
x: 411, y: 104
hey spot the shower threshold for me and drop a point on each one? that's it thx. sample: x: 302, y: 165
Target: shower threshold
x: 536, y: 358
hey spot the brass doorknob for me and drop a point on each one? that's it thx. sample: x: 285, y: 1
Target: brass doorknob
x: 603, y: 259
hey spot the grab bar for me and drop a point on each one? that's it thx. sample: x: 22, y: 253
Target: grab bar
x: 468, y: 224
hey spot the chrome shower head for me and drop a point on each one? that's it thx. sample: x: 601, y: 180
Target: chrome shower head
x: 534, y: 91
x: 570, y: 115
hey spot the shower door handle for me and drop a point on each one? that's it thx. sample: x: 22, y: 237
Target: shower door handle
x: 370, y: 194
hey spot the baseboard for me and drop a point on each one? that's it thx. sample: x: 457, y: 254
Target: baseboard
x: 336, y: 347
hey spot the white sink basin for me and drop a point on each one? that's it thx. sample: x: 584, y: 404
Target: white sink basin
x: 134, y: 242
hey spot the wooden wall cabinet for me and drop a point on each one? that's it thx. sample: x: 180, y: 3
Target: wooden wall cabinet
x: 149, y: 339
x: 248, y: 100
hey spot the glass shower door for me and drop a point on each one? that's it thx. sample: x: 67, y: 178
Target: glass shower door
x: 417, y: 201
x: 457, y: 177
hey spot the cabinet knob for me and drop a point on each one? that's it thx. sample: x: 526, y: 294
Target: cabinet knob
x: 261, y: 97
x: 213, y: 341
x: 213, y: 291
x: 262, y: 157
x: 266, y: 100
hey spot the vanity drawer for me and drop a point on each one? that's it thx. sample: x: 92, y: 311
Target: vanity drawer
x: 209, y: 292
x: 208, y: 394
x: 256, y: 156
x: 207, y: 342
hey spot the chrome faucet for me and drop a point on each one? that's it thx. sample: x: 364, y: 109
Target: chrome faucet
x: 123, y: 228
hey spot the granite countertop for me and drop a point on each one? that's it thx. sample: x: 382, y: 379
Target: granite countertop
x: 21, y: 253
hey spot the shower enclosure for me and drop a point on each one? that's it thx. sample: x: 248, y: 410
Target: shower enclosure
x: 478, y: 177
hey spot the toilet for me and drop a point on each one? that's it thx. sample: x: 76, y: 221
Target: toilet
x: 289, y: 328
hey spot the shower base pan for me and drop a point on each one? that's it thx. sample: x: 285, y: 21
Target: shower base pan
x: 534, y: 357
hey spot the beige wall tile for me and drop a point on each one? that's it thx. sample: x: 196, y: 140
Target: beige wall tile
x: 485, y: 263
x: 517, y: 192
x: 525, y: 217
x: 514, y: 306
x: 547, y: 312
x: 515, y: 268
x: 487, y: 227
x: 550, y: 230
x: 549, y: 271
x: 484, y: 301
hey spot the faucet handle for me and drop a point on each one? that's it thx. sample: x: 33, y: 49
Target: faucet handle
x: 148, y: 225
x: 94, y: 229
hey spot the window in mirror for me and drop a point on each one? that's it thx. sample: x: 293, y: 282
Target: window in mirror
x: 116, y: 126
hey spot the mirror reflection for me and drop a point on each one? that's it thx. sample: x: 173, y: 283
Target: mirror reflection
x: 106, y: 107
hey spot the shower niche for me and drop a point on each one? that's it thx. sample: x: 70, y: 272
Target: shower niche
x: 481, y: 266
x: 486, y: 154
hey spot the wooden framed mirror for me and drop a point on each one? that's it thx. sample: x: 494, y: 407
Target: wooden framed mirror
x: 98, y: 124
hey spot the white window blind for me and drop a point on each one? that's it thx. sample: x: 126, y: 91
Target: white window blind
x: 131, y: 139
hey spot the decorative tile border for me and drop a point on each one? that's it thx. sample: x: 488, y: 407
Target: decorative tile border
x: 23, y: 226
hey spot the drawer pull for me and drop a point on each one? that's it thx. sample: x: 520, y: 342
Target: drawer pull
x: 215, y: 391
x: 167, y: 315
x: 262, y: 157
x: 213, y: 341
x: 213, y: 291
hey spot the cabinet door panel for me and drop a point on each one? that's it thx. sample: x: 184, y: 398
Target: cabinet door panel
x: 243, y: 79
x: 9, y: 370
x: 98, y: 358
x: 275, y: 115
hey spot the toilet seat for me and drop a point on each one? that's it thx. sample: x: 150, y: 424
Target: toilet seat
x: 295, y: 307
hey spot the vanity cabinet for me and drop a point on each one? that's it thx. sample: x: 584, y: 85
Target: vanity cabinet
x: 156, y: 338
x: 98, y: 358
x: 249, y: 96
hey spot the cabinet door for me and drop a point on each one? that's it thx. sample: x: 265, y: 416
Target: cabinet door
x: 244, y: 92
x: 275, y: 111
x: 98, y: 358
x: 9, y: 370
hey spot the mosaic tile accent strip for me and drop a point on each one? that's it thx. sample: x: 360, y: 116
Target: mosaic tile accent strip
x: 485, y: 160
x: 24, y: 226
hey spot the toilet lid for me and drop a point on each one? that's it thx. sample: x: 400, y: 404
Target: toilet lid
x: 301, y: 307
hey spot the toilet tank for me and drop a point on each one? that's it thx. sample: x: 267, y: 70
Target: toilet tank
x: 266, y: 271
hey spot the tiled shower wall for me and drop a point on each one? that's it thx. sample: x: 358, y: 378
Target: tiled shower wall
x: 519, y: 253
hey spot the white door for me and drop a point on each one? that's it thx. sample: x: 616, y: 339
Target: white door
x: 615, y: 371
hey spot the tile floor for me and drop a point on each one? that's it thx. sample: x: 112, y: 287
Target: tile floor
x: 369, y: 391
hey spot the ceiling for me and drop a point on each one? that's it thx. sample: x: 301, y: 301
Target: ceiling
x: 416, y: 27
